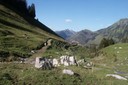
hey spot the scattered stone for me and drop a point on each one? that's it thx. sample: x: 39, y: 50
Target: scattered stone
x: 120, y: 47
x: 72, y: 60
x: 121, y: 64
x: 118, y: 51
x: 115, y: 48
x: 55, y: 62
x: 116, y: 76
x: 32, y: 51
x: 67, y: 71
x: 66, y: 63
x: 37, y: 62
x: 81, y: 62
x: 67, y: 60
x: 43, y: 63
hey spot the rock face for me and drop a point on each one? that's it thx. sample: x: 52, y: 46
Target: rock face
x: 68, y: 60
x: 43, y: 63
x: 65, y: 60
x: 49, y: 63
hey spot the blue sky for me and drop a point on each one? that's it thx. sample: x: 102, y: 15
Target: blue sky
x: 80, y: 14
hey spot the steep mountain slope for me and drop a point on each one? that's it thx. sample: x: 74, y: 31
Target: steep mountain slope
x: 117, y: 31
x: 20, y: 34
x: 82, y: 37
x: 66, y: 33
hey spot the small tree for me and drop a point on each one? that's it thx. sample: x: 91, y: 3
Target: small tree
x: 104, y: 43
x: 111, y: 41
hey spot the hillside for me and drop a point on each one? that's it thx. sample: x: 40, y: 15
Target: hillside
x: 82, y: 36
x: 19, y: 34
x: 117, y: 30
x: 26, y: 42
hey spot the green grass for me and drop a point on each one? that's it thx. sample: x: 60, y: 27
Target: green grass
x: 112, y: 59
x: 19, y: 74
x: 114, y: 50
x: 58, y: 49
x: 19, y: 36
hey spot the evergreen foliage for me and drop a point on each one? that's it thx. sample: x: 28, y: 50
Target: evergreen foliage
x: 31, y: 10
x: 106, y: 42
x: 21, y: 6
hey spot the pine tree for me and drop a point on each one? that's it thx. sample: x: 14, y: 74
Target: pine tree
x: 111, y: 41
x: 19, y: 5
x: 31, y: 10
x: 104, y: 43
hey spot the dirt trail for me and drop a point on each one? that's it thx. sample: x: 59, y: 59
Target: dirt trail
x: 42, y: 50
x: 39, y: 52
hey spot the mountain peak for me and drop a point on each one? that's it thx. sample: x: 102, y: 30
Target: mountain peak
x: 66, y: 33
x: 121, y: 24
x: 123, y: 21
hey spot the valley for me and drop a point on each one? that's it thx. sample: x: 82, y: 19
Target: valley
x: 32, y: 54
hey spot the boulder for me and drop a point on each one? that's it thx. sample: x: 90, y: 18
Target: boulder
x: 66, y: 63
x: 72, y: 60
x: 55, y: 62
x: 67, y: 71
x: 37, y: 62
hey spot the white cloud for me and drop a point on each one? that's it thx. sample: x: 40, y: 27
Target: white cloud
x: 68, y: 20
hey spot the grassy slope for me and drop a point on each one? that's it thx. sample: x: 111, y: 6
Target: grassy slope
x: 119, y: 51
x: 19, y: 36
x: 112, y: 60
x: 12, y: 39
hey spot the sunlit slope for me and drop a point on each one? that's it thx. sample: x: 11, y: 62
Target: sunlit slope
x: 113, y: 54
x: 18, y: 36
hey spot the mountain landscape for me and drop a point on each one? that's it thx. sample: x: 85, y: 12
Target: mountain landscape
x: 21, y: 31
x: 117, y: 31
x: 82, y: 37
x: 33, y: 54
x: 66, y: 33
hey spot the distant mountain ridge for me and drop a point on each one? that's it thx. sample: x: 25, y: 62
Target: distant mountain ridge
x: 116, y: 31
x: 66, y: 33
x: 82, y: 36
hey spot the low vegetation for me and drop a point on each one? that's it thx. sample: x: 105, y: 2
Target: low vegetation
x: 18, y: 36
x: 22, y: 34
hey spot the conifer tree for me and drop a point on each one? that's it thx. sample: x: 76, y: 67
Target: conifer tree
x: 106, y: 42
x: 31, y: 10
